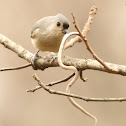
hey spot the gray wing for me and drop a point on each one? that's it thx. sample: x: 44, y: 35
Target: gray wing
x: 41, y: 24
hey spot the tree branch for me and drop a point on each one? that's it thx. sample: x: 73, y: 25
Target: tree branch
x: 89, y: 47
x: 43, y: 63
x: 19, y: 50
x: 16, y: 68
x: 77, y: 96
x: 51, y: 84
x: 85, y: 30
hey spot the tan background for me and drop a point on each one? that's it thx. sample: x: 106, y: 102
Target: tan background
x: 108, y: 39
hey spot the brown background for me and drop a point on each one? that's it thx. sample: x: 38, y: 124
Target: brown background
x: 108, y: 39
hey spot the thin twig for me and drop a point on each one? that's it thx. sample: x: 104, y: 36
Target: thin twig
x: 85, y: 30
x: 89, y: 47
x: 60, y: 81
x: 34, y: 89
x: 16, y: 68
x: 87, y: 26
x: 51, y: 84
x: 87, y: 99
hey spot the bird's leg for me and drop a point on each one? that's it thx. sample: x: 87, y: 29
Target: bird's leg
x: 34, y: 59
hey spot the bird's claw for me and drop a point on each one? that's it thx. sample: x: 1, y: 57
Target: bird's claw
x: 34, y: 59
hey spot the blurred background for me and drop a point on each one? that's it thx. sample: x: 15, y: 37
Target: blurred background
x: 108, y: 39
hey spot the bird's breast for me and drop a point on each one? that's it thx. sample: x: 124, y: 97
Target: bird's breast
x: 47, y: 42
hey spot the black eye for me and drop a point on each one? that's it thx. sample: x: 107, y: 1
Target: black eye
x: 58, y: 24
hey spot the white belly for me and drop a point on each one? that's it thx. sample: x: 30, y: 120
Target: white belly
x: 47, y: 44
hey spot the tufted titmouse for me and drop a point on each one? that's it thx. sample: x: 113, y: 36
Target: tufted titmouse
x: 47, y: 33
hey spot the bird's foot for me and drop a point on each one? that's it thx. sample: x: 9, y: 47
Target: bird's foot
x: 34, y: 59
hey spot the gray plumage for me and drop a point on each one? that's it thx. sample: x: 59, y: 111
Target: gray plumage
x: 47, y: 33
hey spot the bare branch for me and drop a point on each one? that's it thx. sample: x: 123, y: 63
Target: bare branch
x: 85, y: 30
x: 34, y: 89
x: 16, y: 68
x: 90, y: 49
x: 77, y: 96
x: 43, y: 63
x: 87, y: 26
x: 51, y: 84
x: 60, y: 81
x: 19, y: 50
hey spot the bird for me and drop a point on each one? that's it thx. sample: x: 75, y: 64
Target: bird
x: 47, y: 33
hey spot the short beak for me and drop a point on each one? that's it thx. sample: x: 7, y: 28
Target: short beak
x: 65, y: 31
